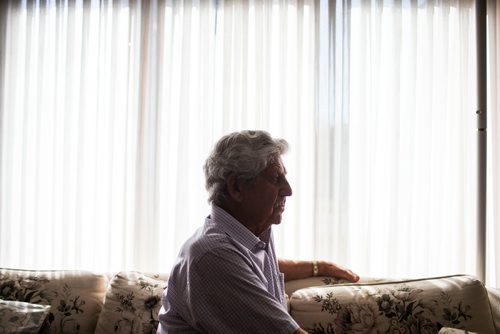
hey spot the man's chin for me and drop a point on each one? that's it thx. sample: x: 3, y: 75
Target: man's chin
x: 277, y: 220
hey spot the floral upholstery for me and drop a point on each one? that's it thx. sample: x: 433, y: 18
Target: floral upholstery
x: 132, y: 303
x: 75, y: 297
x: 413, y: 306
x: 83, y: 302
x: 494, y: 297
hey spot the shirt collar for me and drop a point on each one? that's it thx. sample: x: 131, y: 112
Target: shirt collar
x: 238, y: 231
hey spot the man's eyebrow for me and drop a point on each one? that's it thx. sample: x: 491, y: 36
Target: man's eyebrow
x: 279, y: 167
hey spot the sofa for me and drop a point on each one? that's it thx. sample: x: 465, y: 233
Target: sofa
x: 128, y: 302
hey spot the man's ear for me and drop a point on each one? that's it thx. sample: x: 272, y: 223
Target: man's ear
x: 234, y: 188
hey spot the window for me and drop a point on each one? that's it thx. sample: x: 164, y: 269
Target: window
x: 109, y: 109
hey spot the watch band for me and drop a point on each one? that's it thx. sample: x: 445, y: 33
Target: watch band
x: 315, y: 268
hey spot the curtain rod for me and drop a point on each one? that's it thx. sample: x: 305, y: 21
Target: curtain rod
x: 480, y: 7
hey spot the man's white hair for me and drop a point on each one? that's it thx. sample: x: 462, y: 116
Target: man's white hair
x: 243, y: 154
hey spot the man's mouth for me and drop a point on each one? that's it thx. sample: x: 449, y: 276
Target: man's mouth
x: 280, y: 207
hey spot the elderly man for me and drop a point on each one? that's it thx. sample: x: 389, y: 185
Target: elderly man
x: 227, y: 278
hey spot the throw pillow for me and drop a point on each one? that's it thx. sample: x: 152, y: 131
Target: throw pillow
x: 21, y: 317
x: 75, y: 297
x: 132, y: 303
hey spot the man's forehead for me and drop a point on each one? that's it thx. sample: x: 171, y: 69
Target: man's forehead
x: 276, y: 162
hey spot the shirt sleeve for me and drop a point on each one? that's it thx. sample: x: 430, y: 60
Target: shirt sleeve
x: 227, y: 296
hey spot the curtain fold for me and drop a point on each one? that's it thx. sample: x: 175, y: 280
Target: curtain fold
x: 109, y: 109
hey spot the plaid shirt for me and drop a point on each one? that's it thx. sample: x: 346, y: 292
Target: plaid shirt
x: 226, y: 280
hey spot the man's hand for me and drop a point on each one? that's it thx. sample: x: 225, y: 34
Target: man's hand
x: 303, y: 269
x: 334, y: 270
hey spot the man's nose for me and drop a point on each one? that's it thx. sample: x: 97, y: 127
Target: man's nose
x: 286, y: 190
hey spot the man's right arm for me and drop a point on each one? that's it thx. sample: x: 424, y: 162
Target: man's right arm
x: 300, y: 331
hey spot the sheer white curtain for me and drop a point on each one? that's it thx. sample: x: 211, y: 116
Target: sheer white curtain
x: 70, y: 131
x: 110, y: 108
x: 411, y: 143
x: 226, y: 67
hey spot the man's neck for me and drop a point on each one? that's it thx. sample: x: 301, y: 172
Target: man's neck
x: 239, y: 214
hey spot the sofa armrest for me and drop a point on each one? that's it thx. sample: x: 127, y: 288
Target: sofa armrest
x: 494, y: 297
x: 294, y: 285
x: 449, y: 330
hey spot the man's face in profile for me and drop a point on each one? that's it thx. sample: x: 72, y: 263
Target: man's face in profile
x: 265, y: 197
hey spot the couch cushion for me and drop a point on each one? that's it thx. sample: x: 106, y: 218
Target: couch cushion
x: 21, y: 317
x: 75, y: 297
x: 412, y: 306
x: 132, y: 303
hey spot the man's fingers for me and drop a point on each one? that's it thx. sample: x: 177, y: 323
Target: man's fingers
x: 352, y: 276
x: 346, y: 274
